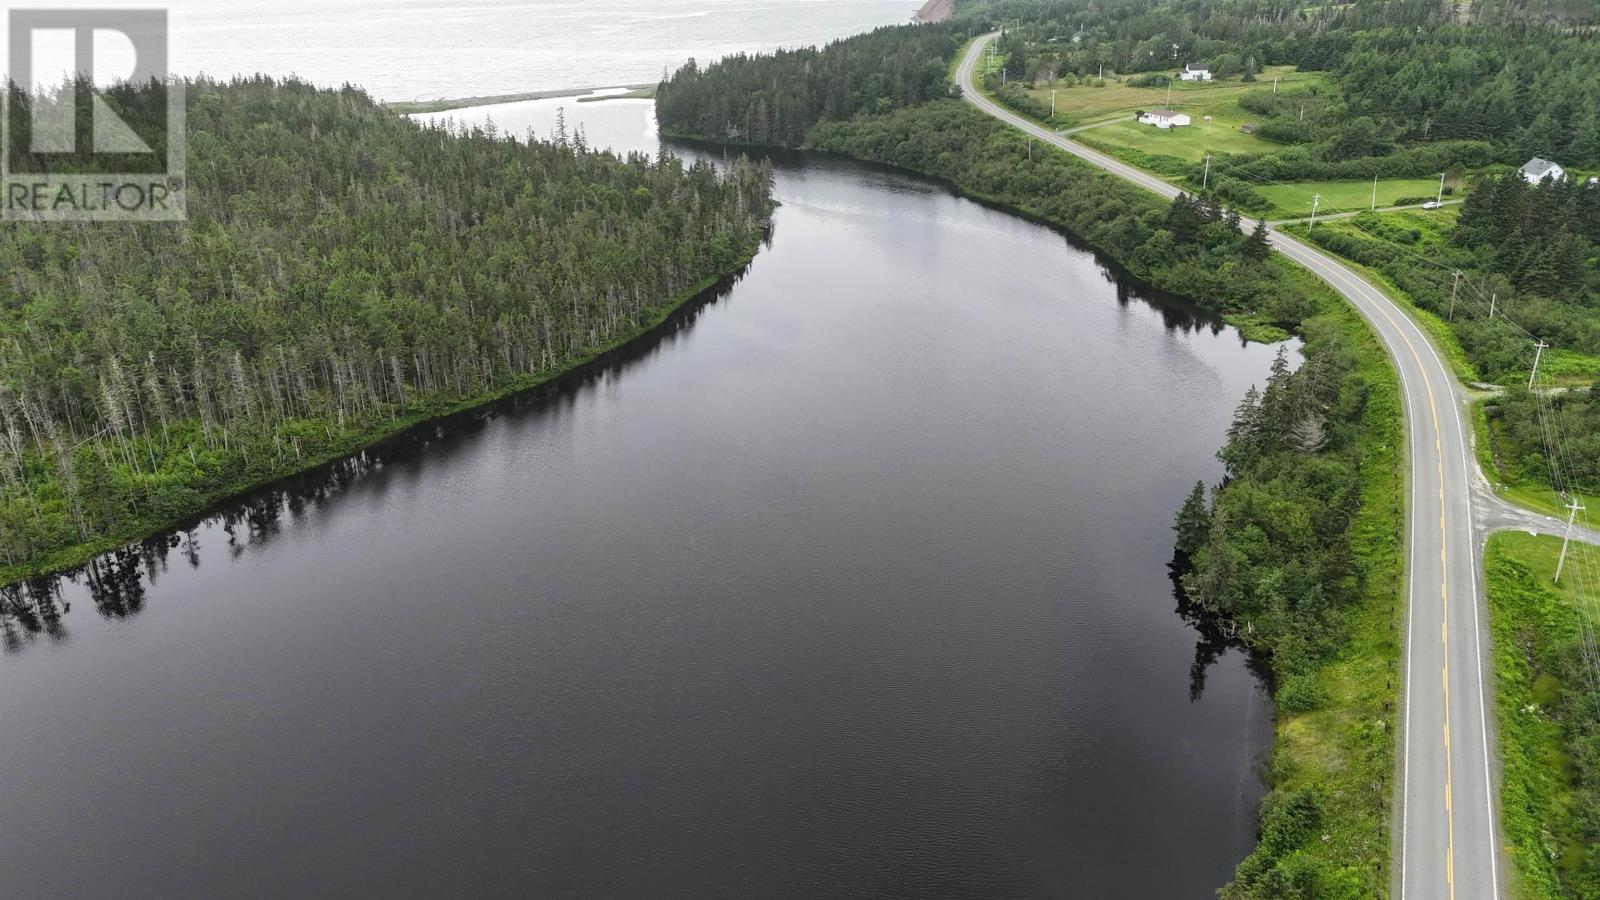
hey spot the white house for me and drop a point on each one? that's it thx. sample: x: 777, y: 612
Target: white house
x: 1536, y: 170
x: 1163, y: 118
x: 1195, y: 72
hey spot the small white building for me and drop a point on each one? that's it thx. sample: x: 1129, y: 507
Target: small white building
x: 1163, y: 118
x: 1195, y: 72
x: 1536, y: 170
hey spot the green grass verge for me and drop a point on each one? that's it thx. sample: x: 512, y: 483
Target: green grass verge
x: 1571, y: 367
x: 1537, y: 497
x: 1437, y: 329
x: 955, y: 61
x: 1534, y: 622
x: 356, y: 440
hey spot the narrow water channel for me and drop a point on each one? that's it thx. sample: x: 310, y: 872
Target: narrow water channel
x: 850, y: 583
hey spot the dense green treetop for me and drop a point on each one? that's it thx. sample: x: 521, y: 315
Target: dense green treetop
x: 775, y: 98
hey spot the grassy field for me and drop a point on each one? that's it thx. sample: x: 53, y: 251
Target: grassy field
x: 1341, y: 196
x: 1536, y: 624
x: 1571, y: 367
x: 1190, y: 143
x: 1086, y: 103
x: 1164, y: 150
x: 1129, y: 139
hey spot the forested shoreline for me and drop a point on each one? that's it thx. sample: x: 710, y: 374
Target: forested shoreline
x: 344, y: 273
x: 1298, y: 548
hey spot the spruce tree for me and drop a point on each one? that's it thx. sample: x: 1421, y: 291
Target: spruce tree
x: 1256, y: 246
x: 1194, y: 521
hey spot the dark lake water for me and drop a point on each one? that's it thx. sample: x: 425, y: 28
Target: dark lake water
x: 850, y: 583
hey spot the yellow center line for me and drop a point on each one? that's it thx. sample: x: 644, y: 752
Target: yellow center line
x: 1444, y: 584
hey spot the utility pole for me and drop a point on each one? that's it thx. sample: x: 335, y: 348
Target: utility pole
x: 1492, y: 298
x: 1052, y: 103
x: 1302, y: 110
x: 1206, y: 179
x: 1274, y: 84
x: 1169, y: 93
x: 1573, y: 509
x: 1440, y: 198
x: 1315, y: 199
x: 1538, y: 351
x: 1374, y: 192
x: 1455, y: 288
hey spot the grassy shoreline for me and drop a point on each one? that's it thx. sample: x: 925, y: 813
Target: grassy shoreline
x: 72, y: 557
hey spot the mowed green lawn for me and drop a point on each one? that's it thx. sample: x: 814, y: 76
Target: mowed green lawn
x: 1191, y: 142
x: 1342, y: 196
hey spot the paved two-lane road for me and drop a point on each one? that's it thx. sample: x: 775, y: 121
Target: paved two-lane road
x: 1447, y: 842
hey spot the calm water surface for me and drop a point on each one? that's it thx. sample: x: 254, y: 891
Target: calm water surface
x: 421, y: 49
x: 850, y: 583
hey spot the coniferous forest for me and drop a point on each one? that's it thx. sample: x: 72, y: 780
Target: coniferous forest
x: 343, y: 272
x: 775, y: 99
